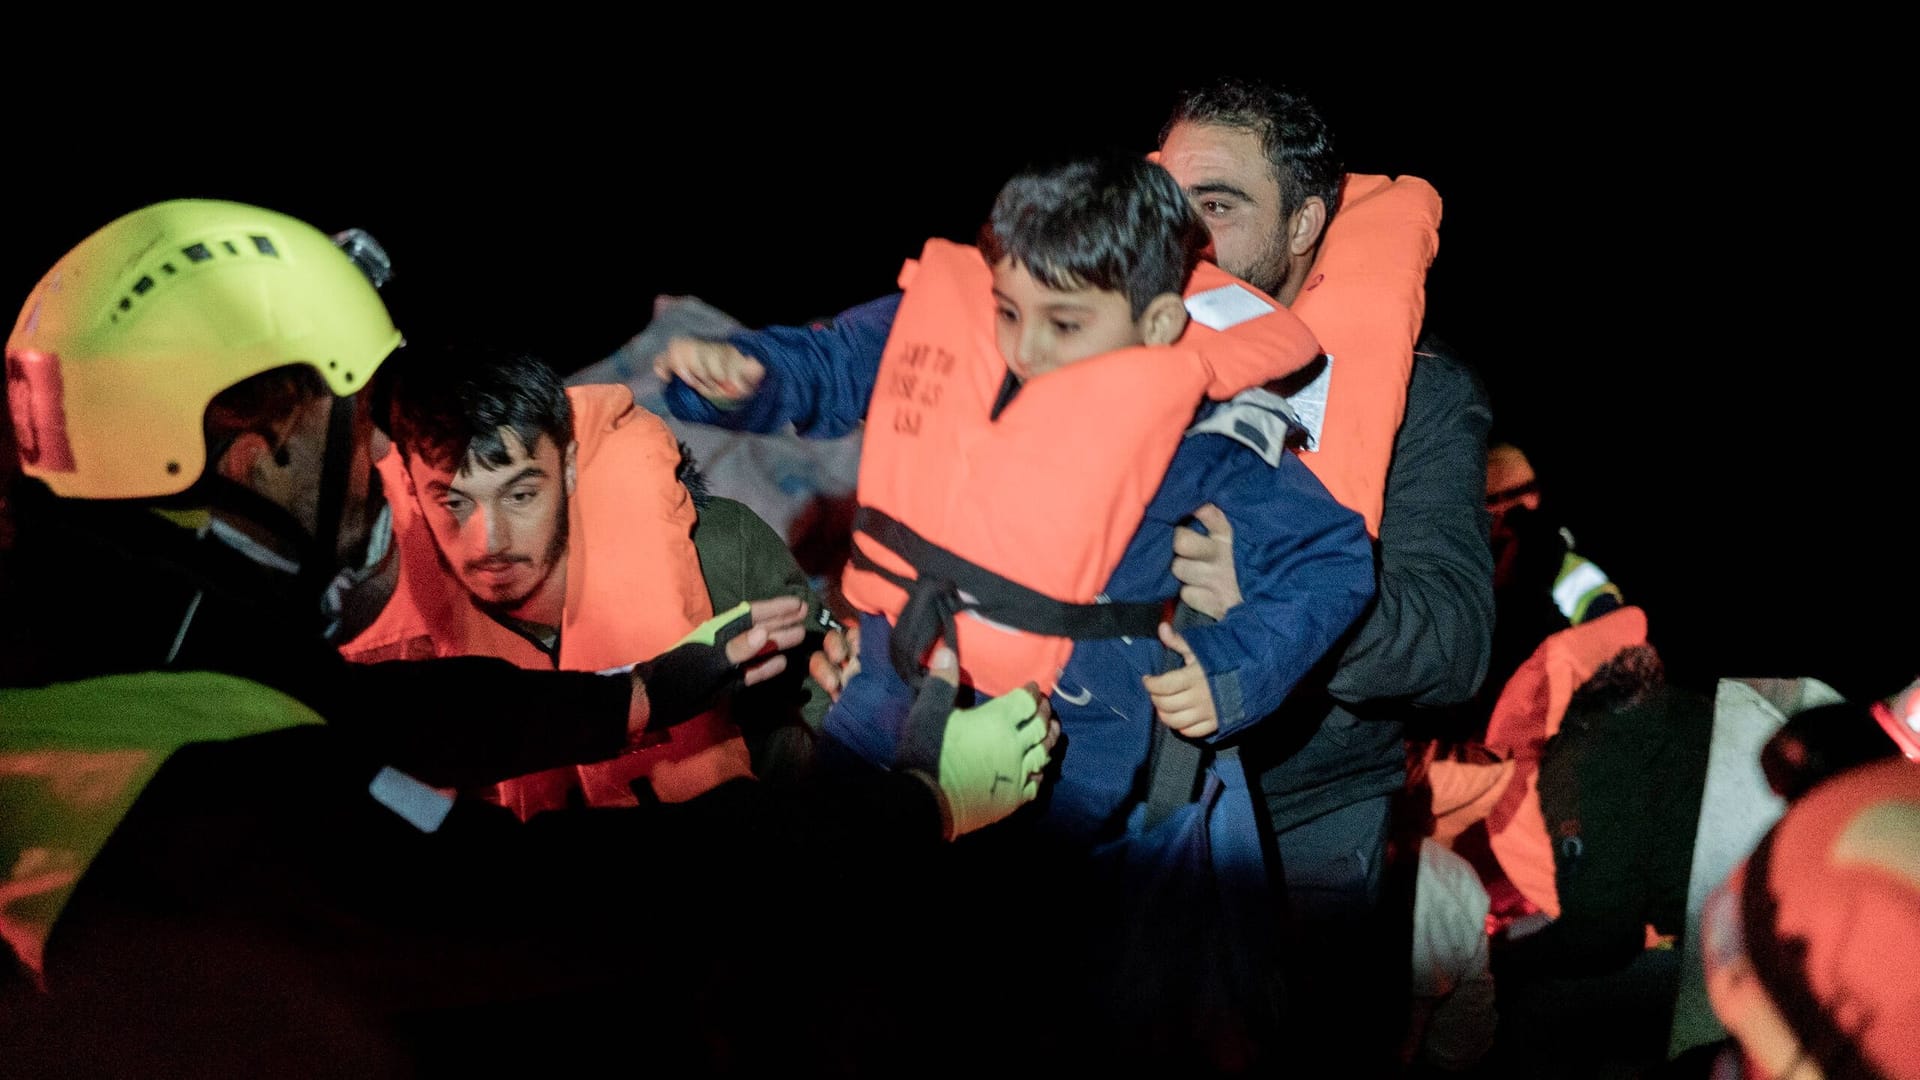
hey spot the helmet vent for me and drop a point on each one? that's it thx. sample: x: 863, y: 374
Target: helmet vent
x: 196, y: 253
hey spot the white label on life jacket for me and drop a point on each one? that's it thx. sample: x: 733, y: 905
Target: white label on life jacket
x: 425, y: 807
x: 1226, y: 307
x: 1309, y: 405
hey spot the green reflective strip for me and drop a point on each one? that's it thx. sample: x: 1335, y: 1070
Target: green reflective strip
x: 1579, y: 584
x: 73, y: 758
x: 149, y: 710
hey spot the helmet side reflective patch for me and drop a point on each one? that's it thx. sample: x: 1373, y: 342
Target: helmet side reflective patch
x: 36, y: 400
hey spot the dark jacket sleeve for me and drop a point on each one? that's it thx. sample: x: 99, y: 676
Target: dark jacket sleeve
x: 819, y: 377
x: 185, y: 601
x: 1306, y: 571
x: 469, y: 721
x: 742, y: 558
x: 1427, y: 637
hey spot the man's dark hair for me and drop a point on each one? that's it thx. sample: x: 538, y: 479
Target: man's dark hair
x: 448, y: 406
x: 1294, y: 135
x: 1115, y: 222
x: 1632, y: 677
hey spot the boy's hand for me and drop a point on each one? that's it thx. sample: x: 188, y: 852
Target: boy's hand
x: 713, y: 369
x: 1181, y: 698
x: 837, y: 661
x: 1203, y: 564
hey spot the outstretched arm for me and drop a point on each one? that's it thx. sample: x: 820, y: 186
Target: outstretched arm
x: 471, y: 721
x: 818, y: 378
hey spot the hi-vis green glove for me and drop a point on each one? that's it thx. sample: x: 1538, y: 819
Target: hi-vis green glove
x: 989, y: 756
x: 722, y: 628
x: 991, y: 760
x: 684, y: 681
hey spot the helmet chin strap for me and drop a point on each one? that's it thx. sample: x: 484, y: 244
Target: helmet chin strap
x: 216, y: 492
x: 317, y: 552
x: 319, y: 569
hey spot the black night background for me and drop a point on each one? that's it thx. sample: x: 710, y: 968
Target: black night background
x: 1743, y: 481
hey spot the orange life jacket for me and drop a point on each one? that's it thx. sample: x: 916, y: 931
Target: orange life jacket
x: 1364, y: 299
x: 1046, y: 496
x: 634, y: 589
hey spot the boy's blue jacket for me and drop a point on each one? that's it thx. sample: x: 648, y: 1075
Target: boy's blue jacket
x: 1304, y: 563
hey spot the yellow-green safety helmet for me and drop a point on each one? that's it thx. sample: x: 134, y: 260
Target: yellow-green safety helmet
x: 121, y: 346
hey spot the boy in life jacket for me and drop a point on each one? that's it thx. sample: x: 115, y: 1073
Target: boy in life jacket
x: 1023, y: 402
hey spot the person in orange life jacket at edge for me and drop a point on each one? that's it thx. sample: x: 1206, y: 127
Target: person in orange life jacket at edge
x: 1810, y: 944
x: 560, y: 528
x: 218, y: 815
x: 993, y: 375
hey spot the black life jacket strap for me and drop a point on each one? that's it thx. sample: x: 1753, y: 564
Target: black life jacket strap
x: 947, y: 584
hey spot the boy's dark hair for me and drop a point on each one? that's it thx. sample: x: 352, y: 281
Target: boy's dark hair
x: 1295, y: 136
x: 447, y: 406
x: 1116, y: 222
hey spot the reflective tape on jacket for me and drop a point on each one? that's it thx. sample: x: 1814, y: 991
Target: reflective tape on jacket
x: 1578, y: 585
x: 73, y: 758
